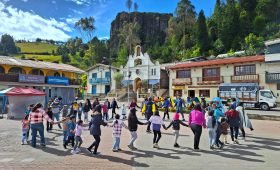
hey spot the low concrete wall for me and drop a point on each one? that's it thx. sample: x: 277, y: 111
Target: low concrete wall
x: 264, y: 117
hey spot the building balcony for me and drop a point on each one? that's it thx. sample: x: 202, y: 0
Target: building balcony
x: 9, y: 77
x: 272, y: 77
x: 182, y: 81
x: 100, y: 81
x: 245, y: 79
x: 210, y: 80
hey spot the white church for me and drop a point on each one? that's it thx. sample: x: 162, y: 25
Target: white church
x: 141, y: 73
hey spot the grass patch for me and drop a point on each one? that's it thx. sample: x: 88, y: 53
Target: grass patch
x: 33, y: 47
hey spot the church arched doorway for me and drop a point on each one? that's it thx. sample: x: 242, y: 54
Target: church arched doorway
x: 137, y: 84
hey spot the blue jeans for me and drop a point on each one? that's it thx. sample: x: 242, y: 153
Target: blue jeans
x: 116, y: 144
x: 38, y: 127
x: 212, y: 136
x: 24, y: 135
x: 56, y: 116
x: 64, y: 136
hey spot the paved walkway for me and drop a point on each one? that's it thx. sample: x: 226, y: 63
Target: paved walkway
x: 259, y: 151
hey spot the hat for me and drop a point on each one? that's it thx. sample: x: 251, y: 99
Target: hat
x: 176, y: 116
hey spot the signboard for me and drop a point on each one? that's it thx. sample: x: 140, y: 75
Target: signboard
x: 58, y: 80
x: 24, y: 78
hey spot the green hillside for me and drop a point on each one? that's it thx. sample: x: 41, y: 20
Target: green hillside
x: 34, y: 47
x: 38, y: 51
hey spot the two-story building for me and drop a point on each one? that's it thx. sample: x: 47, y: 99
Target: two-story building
x: 52, y: 78
x: 272, y: 60
x: 202, y: 78
x: 100, y: 79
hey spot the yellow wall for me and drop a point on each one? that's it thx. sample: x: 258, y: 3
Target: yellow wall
x: 47, y: 72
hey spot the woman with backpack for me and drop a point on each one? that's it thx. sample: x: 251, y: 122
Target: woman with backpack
x: 234, y: 123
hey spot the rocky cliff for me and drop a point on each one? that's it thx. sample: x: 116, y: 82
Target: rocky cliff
x: 152, y: 27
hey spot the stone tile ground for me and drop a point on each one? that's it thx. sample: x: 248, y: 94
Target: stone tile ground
x: 261, y: 150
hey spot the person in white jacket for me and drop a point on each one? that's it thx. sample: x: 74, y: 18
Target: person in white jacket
x: 244, y: 119
x: 211, y: 125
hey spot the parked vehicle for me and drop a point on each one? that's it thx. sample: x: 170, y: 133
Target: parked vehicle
x: 250, y: 94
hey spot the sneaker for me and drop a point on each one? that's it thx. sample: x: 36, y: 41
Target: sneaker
x: 43, y: 145
x: 155, y: 145
x: 115, y: 150
x: 236, y: 141
x: 64, y: 146
x: 78, y: 149
x: 89, y: 150
x: 130, y: 147
x: 176, y: 145
x: 74, y: 152
x: 221, y: 146
x: 119, y: 149
x: 148, y: 131
x: 212, y: 147
x: 96, y: 153
x: 196, y: 150
x: 22, y: 143
x: 133, y: 148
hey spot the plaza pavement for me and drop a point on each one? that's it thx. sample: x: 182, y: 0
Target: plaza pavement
x: 261, y: 150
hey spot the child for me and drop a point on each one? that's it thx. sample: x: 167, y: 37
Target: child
x: 212, y: 127
x: 78, y: 138
x: 50, y: 114
x: 70, y: 131
x: 133, y: 123
x: 156, y: 123
x: 123, y: 111
x: 105, y: 111
x: 224, y: 130
x: 175, y: 123
x: 117, y: 130
x: 64, y: 111
x: 24, y: 130
x: 80, y: 110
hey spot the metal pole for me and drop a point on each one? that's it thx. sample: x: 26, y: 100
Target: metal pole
x: 128, y: 83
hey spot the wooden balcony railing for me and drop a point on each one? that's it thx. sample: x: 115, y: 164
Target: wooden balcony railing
x: 209, y: 80
x: 182, y: 81
x: 9, y: 77
x: 245, y: 79
x: 272, y: 77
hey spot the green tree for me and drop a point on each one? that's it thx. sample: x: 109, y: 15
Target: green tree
x: 253, y: 44
x: 8, y: 44
x: 118, y: 77
x: 65, y: 58
x: 202, y: 33
x: 86, y: 27
x: 122, y: 57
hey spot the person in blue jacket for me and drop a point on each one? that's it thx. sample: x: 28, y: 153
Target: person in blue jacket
x: 166, y: 104
x: 179, y: 104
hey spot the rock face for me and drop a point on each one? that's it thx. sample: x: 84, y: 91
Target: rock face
x: 152, y: 27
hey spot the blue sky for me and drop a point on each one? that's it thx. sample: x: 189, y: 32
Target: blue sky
x: 54, y: 19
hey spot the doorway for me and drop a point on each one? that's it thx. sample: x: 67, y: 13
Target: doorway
x: 137, y: 84
x: 191, y: 93
x: 107, y: 89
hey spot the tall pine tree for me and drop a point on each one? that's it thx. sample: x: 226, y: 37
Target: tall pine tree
x: 202, y: 33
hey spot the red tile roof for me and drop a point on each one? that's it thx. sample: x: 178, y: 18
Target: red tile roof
x: 248, y: 59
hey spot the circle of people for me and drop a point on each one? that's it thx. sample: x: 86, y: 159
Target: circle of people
x: 210, y: 115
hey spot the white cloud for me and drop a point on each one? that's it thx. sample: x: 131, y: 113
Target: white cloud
x: 76, y: 11
x: 71, y: 21
x: 26, y: 25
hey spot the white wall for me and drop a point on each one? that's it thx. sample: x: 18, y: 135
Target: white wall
x: 101, y: 72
